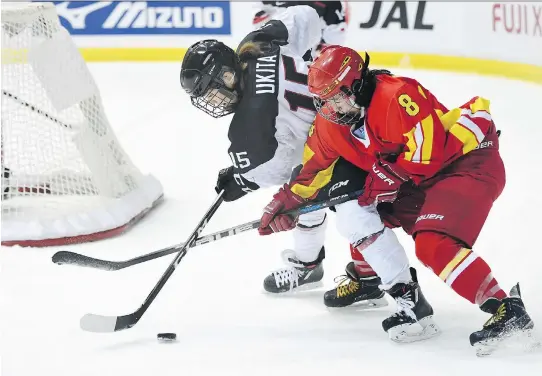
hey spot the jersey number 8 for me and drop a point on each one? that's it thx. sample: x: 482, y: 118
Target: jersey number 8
x: 409, y: 105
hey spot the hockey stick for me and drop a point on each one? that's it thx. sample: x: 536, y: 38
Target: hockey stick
x: 108, y: 324
x: 72, y: 258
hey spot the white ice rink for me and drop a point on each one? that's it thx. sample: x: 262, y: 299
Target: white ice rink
x: 214, y: 302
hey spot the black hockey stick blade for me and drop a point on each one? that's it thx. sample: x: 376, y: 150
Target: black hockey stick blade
x: 107, y: 324
x: 72, y: 258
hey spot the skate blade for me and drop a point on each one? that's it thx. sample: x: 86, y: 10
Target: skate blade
x: 302, y: 288
x: 371, y: 303
x: 523, y: 340
x: 425, y: 328
x: 364, y: 304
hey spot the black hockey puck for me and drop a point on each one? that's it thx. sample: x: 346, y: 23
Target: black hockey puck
x: 167, y: 337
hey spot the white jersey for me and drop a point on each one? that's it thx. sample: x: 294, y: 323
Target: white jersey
x: 333, y: 22
x: 273, y: 118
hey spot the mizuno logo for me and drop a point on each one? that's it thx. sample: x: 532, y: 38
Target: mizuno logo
x: 142, y: 15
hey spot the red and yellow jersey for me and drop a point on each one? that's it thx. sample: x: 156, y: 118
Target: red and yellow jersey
x: 403, y: 119
x: 327, y: 142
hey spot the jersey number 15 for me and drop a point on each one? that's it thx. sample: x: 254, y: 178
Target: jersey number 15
x: 296, y: 100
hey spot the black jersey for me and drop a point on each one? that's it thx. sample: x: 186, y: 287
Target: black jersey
x: 271, y: 123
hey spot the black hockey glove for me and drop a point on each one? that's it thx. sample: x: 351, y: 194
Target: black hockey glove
x: 226, y: 182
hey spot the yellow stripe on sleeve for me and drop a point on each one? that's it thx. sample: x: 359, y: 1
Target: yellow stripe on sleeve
x: 320, y: 180
x: 307, y: 154
x: 411, y: 144
x: 465, y: 136
x: 420, y: 90
x: 427, y: 146
x: 449, y: 118
x: 480, y: 104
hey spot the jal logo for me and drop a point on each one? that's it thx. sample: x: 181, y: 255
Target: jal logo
x: 523, y: 19
x: 397, y: 14
x: 141, y: 17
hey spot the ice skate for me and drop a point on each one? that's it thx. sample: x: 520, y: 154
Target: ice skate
x: 297, y: 275
x: 509, y: 320
x: 352, y: 289
x: 413, y: 320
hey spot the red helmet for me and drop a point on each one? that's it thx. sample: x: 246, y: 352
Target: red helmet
x: 336, y: 66
x: 337, y: 70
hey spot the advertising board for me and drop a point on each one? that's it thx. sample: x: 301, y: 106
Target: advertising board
x: 496, y: 38
x: 145, y: 17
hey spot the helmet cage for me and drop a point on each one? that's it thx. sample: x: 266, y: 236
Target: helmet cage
x: 212, y: 95
x: 341, y: 108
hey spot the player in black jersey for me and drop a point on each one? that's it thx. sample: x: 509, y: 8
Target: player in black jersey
x: 264, y: 85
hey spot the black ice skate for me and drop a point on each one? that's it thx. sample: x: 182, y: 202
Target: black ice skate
x: 352, y: 288
x: 413, y: 320
x: 296, y: 275
x: 509, y: 319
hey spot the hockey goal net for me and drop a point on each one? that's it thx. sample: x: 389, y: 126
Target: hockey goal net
x: 65, y: 177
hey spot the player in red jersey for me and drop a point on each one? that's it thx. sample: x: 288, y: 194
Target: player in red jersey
x: 434, y: 172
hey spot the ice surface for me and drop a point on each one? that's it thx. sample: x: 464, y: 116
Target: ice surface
x: 225, y: 325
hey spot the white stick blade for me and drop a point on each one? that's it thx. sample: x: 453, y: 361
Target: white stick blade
x: 98, y: 324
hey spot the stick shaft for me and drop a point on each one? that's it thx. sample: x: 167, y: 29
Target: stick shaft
x: 65, y: 257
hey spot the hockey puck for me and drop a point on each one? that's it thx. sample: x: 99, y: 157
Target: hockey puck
x: 167, y: 337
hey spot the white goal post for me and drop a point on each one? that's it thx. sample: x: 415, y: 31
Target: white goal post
x: 65, y: 177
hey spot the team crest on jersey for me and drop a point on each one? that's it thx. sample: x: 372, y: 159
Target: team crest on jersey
x: 361, y: 135
x: 360, y: 132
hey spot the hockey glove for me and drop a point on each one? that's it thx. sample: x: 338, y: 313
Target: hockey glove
x: 272, y: 221
x: 260, y: 19
x: 226, y: 182
x: 382, y: 183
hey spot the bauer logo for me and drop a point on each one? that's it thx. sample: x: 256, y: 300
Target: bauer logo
x: 142, y: 17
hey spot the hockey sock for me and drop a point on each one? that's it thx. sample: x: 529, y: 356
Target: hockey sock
x: 362, y: 267
x: 309, y: 235
x: 386, y: 256
x: 459, y: 267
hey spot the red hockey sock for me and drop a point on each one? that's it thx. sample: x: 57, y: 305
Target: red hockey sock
x: 459, y: 267
x: 362, y: 267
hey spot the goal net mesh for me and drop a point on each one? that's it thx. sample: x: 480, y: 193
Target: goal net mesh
x: 64, y: 174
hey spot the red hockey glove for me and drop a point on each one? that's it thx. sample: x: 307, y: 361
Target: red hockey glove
x: 272, y: 221
x: 382, y: 183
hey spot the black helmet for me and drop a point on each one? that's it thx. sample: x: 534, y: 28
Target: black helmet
x: 205, y: 67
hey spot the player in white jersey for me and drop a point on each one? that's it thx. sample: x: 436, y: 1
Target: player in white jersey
x: 333, y: 20
x: 264, y: 84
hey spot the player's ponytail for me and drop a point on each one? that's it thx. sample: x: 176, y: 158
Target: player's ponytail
x: 249, y: 51
x: 367, y: 85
